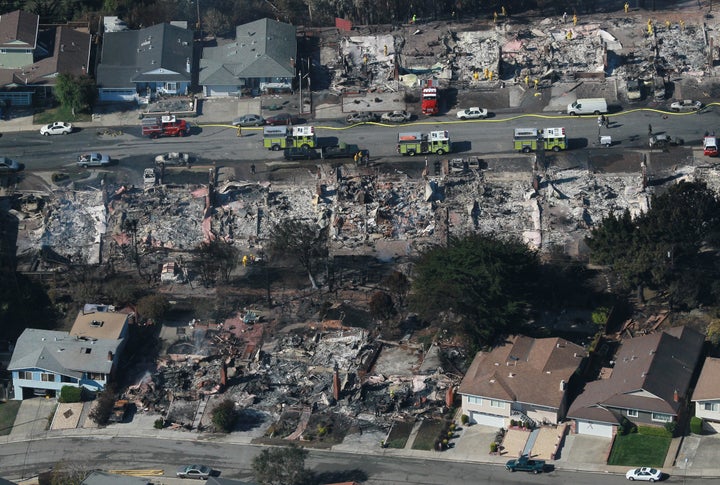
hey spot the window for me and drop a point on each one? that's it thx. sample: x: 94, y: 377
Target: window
x: 66, y: 379
x: 3, y: 51
x: 711, y: 406
x: 171, y: 86
x: 47, y: 377
x: 497, y: 404
x: 663, y: 418
x: 23, y: 374
x: 632, y: 413
x: 96, y: 376
x: 475, y: 400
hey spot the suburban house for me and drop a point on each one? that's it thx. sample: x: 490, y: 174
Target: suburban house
x: 525, y: 379
x: 648, y: 383
x: 32, y: 56
x: 261, y: 58
x: 137, y: 64
x: 707, y: 394
x: 44, y: 361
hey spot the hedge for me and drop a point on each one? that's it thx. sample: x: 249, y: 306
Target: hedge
x: 696, y: 426
x: 70, y: 394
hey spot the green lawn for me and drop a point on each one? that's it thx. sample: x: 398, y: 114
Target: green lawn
x: 8, y: 411
x: 399, y: 435
x: 59, y: 113
x: 636, y: 449
x: 428, y: 433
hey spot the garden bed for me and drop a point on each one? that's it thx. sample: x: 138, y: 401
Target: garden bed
x: 399, y: 435
x: 428, y: 434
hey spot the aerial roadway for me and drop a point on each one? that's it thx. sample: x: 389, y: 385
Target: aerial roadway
x: 27, y: 459
x: 484, y: 137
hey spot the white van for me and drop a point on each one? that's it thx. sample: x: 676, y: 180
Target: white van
x: 587, y: 106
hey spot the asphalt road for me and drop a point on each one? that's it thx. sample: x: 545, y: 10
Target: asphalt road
x: 26, y: 459
x: 213, y: 143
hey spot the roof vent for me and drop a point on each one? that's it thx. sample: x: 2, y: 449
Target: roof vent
x: 96, y: 323
x: 492, y: 381
x: 511, y: 374
x: 563, y: 384
x: 497, y: 363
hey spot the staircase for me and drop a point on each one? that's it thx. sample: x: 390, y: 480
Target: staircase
x: 520, y: 416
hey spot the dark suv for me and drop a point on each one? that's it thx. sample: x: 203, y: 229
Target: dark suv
x: 300, y: 154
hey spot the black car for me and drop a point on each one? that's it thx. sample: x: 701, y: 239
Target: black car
x: 300, y: 154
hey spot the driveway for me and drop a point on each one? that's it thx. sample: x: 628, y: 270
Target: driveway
x: 33, y: 418
x: 701, y: 453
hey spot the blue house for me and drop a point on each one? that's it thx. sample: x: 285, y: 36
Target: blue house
x: 44, y: 361
x: 135, y: 64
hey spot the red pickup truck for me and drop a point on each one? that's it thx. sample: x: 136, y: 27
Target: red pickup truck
x: 166, y: 125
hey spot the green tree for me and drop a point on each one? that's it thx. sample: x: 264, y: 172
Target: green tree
x: 281, y: 466
x: 224, y: 416
x: 68, y: 473
x: 301, y: 240
x: 664, y: 247
x: 153, y: 307
x: 398, y: 285
x: 485, y: 283
x: 75, y: 92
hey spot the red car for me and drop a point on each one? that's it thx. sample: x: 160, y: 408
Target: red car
x: 283, y: 119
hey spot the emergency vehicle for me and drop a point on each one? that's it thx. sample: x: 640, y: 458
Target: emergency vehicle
x: 429, y: 100
x: 278, y: 137
x: 526, y: 139
x: 420, y: 143
x: 166, y: 125
x: 710, y: 148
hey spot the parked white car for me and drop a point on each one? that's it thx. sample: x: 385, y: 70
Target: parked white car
x: 686, y: 105
x: 57, y: 128
x: 473, y: 113
x: 645, y: 473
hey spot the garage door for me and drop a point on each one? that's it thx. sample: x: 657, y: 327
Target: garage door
x: 117, y: 95
x: 487, y: 420
x: 595, y: 429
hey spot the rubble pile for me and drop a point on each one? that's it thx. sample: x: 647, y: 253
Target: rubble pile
x: 358, y: 61
x: 70, y: 223
x: 166, y: 217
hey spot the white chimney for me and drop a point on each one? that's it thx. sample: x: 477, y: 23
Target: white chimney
x: 110, y: 356
x: 563, y: 384
x: 187, y: 65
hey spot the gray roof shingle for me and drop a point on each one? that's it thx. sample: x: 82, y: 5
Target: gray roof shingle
x: 262, y: 49
x: 59, y: 352
x: 155, y: 54
x: 648, y: 371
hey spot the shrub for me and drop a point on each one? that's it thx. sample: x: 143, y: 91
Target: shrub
x: 696, y: 426
x: 70, y: 394
x: 464, y: 419
x: 159, y: 423
x: 513, y: 423
x: 104, y: 406
x: 671, y: 427
x: 58, y: 176
x: 224, y: 416
x: 493, y: 447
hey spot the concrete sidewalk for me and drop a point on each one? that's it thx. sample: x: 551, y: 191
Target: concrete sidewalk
x: 471, y: 445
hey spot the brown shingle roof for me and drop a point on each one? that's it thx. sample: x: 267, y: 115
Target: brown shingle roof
x: 99, y: 325
x: 525, y: 370
x: 71, y: 52
x: 18, y: 29
x: 708, y: 385
x: 648, y: 371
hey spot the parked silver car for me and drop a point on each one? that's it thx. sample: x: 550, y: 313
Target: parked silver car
x: 200, y: 472
x: 396, y: 117
x: 93, y: 160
